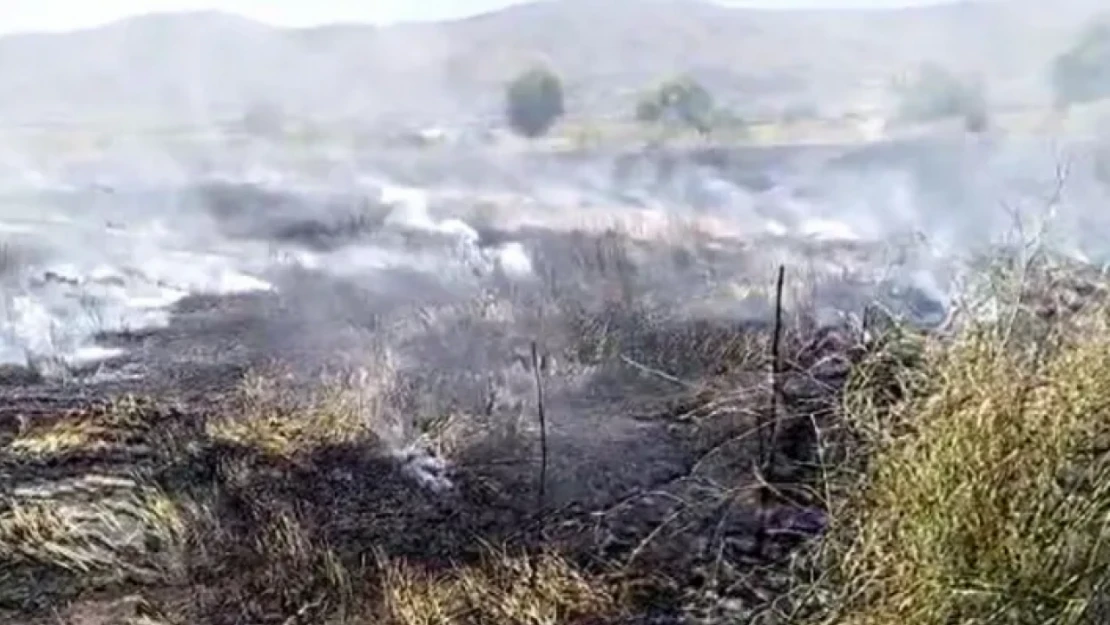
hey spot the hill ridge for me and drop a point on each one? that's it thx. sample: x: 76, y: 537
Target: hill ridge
x: 203, y: 65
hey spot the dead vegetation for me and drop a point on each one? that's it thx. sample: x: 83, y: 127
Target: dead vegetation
x: 239, y: 520
x: 962, y: 478
x: 268, y: 416
x: 543, y: 589
x: 286, y: 505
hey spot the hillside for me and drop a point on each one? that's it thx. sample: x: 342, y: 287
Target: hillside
x: 190, y: 67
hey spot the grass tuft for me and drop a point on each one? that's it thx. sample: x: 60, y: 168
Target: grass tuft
x: 542, y: 589
x: 58, y: 438
x: 136, y: 538
x: 267, y: 419
x: 985, y: 497
x: 89, y: 431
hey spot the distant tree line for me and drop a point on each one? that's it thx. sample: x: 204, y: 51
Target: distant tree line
x: 535, y: 101
x: 1079, y: 74
x: 535, y: 98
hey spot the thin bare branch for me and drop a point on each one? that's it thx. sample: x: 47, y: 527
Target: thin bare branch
x: 542, y: 496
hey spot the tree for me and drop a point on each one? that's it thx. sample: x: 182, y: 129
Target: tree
x: 648, y: 110
x: 1082, y: 73
x: 534, y: 102
x: 976, y: 120
x: 681, y: 101
x: 262, y: 120
x: 934, y: 93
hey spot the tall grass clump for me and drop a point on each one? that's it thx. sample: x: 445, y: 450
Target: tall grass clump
x: 983, y: 495
x: 505, y: 588
x: 268, y: 415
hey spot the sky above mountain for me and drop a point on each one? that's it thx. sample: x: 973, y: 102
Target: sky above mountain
x: 55, y: 15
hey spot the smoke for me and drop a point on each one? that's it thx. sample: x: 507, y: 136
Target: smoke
x: 439, y: 269
x: 109, y: 245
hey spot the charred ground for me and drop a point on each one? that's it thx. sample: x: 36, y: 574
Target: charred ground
x: 352, y: 450
x: 226, y: 471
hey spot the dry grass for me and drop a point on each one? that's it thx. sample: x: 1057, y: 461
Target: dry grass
x: 511, y: 589
x: 104, y: 428
x: 134, y: 537
x: 58, y: 438
x: 984, y: 496
x: 253, y: 538
x: 267, y: 416
x: 312, y: 582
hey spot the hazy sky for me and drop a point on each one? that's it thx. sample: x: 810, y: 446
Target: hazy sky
x: 25, y: 15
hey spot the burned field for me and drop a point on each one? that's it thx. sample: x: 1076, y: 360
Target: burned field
x: 630, y: 425
x: 399, y: 482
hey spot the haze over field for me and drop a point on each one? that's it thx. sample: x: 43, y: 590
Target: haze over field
x: 241, y: 209
x: 297, y: 321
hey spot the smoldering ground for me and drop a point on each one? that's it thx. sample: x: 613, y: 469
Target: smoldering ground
x: 450, y: 281
x: 645, y: 285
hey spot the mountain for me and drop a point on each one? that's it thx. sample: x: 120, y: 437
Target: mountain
x: 193, y: 67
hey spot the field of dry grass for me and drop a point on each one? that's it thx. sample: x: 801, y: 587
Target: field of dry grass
x: 978, y: 491
x: 963, y: 474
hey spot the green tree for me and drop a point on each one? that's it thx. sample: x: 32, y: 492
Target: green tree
x: 648, y: 109
x: 682, y: 101
x: 935, y: 93
x: 534, y: 102
x: 1082, y: 73
x: 262, y: 120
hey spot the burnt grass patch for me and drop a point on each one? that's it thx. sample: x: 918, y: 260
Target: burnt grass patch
x: 685, y: 482
x: 900, y: 469
x: 120, y: 509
